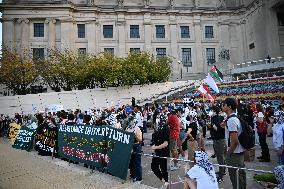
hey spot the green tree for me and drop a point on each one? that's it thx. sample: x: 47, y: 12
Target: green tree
x: 17, y: 72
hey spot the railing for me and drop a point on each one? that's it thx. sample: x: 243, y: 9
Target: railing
x: 189, y: 161
x: 257, y: 62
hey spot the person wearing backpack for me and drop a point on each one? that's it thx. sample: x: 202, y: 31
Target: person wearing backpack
x: 235, y: 152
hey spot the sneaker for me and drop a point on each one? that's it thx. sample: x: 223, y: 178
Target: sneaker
x: 164, y: 186
x: 213, y: 156
x: 260, y: 157
x: 137, y: 181
x: 264, y: 160
x: 220, y: 180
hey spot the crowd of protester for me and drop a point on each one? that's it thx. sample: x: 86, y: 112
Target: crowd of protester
x: 180, y: 132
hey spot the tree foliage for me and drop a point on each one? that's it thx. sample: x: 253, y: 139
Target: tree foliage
x: 70, y: 70
x: 17, y: 72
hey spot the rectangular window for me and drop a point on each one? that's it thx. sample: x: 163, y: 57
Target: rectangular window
x: 160, y: 31
x: 186, y: 57
x: 38, y: 53
x: 184, y: 32
x: 108, y: 31
x: 109, y: 50
x: 134, y: 31
x: 209, y: 32
x: 38, y: 29
x: 135, y: 50
x: 81, y: 30
x: 161, y: 52
x: 82, y: 51
x: 210, y: 54
x: 251, y: 46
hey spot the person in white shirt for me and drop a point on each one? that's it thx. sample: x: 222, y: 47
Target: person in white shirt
x: 235, y: 153
x: 202, y: 175
x: 278, y: 132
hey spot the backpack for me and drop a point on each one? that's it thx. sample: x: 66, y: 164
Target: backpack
x: 246, y: 138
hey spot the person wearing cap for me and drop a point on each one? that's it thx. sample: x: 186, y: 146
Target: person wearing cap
x: 261, y: 126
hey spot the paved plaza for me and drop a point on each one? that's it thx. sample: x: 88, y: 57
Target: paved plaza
x: 20, y: 169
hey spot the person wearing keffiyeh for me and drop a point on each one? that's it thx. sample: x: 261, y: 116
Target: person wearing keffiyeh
x: 279, y: 175
x: 202, y: 174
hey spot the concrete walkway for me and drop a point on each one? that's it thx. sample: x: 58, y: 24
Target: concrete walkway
x: 20, y: 169
x: 27, y: 170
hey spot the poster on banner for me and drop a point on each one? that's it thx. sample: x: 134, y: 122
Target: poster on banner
x: 13, y: 132
x: 104, y: 147
x: 24, y: 139
x: 54, y: 108
x: 46, y: 140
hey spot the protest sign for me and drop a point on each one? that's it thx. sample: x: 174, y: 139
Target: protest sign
x: 54, y: 108
x: 104, y: 147
x: 13, y: 131
x: 24, y: 139
x: 46, y: 140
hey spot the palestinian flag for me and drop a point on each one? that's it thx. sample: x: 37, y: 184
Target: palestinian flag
x: 215, y: 73
x: 203, y: 89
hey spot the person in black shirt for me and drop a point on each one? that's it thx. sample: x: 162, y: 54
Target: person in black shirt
x: 219, y: 142
x: 160, y: 145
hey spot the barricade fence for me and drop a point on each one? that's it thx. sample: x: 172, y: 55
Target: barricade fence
x: 189, y: 161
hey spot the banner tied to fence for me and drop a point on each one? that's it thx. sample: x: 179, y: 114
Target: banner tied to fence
x: 25, y: 138
x: 104, y: 147
x: 46, y: 140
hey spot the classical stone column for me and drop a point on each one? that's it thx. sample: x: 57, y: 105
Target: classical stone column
x: 148, y: 33
x: 91, y: 36
x: 200, y: 64
x: 121, y: 38
x: 25, y: 35
x: 8, y: 32
x: 51, y: 32
x: 174, y: 48
x: 98, y: 37
x: 67, y: 35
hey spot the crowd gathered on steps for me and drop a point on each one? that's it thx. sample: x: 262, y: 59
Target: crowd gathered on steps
x: 180, y: 132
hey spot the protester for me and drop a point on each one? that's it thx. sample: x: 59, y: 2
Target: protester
x: 161, y: 141
x: 261, y: 126
x: 279, y: 175
x: 278, y: 135
x: 135, y: 161
x: 219, y: 141
x: 174, y: 125
x: 235, y: 153
x: 202, y: 174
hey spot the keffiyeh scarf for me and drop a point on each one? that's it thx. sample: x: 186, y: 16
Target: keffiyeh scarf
x: 202, y: 161
x: 279, y: 175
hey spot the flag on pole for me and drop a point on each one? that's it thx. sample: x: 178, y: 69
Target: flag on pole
x: 205, y: 92
x: 211, y: 83
x: 216, y: 74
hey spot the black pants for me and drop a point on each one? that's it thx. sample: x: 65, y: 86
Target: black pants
x: 264, y: 148
x: 159, y: 167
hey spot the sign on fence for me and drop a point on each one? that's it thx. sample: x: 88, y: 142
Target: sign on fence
x: 46, y: 140
x: 24, y: 139
x: 104, y: 147
x: 13, y: 131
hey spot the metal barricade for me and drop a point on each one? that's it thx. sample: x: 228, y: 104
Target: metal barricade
x: 216, y: 165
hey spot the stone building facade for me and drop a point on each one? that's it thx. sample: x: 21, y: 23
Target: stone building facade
x: 193, y: 32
